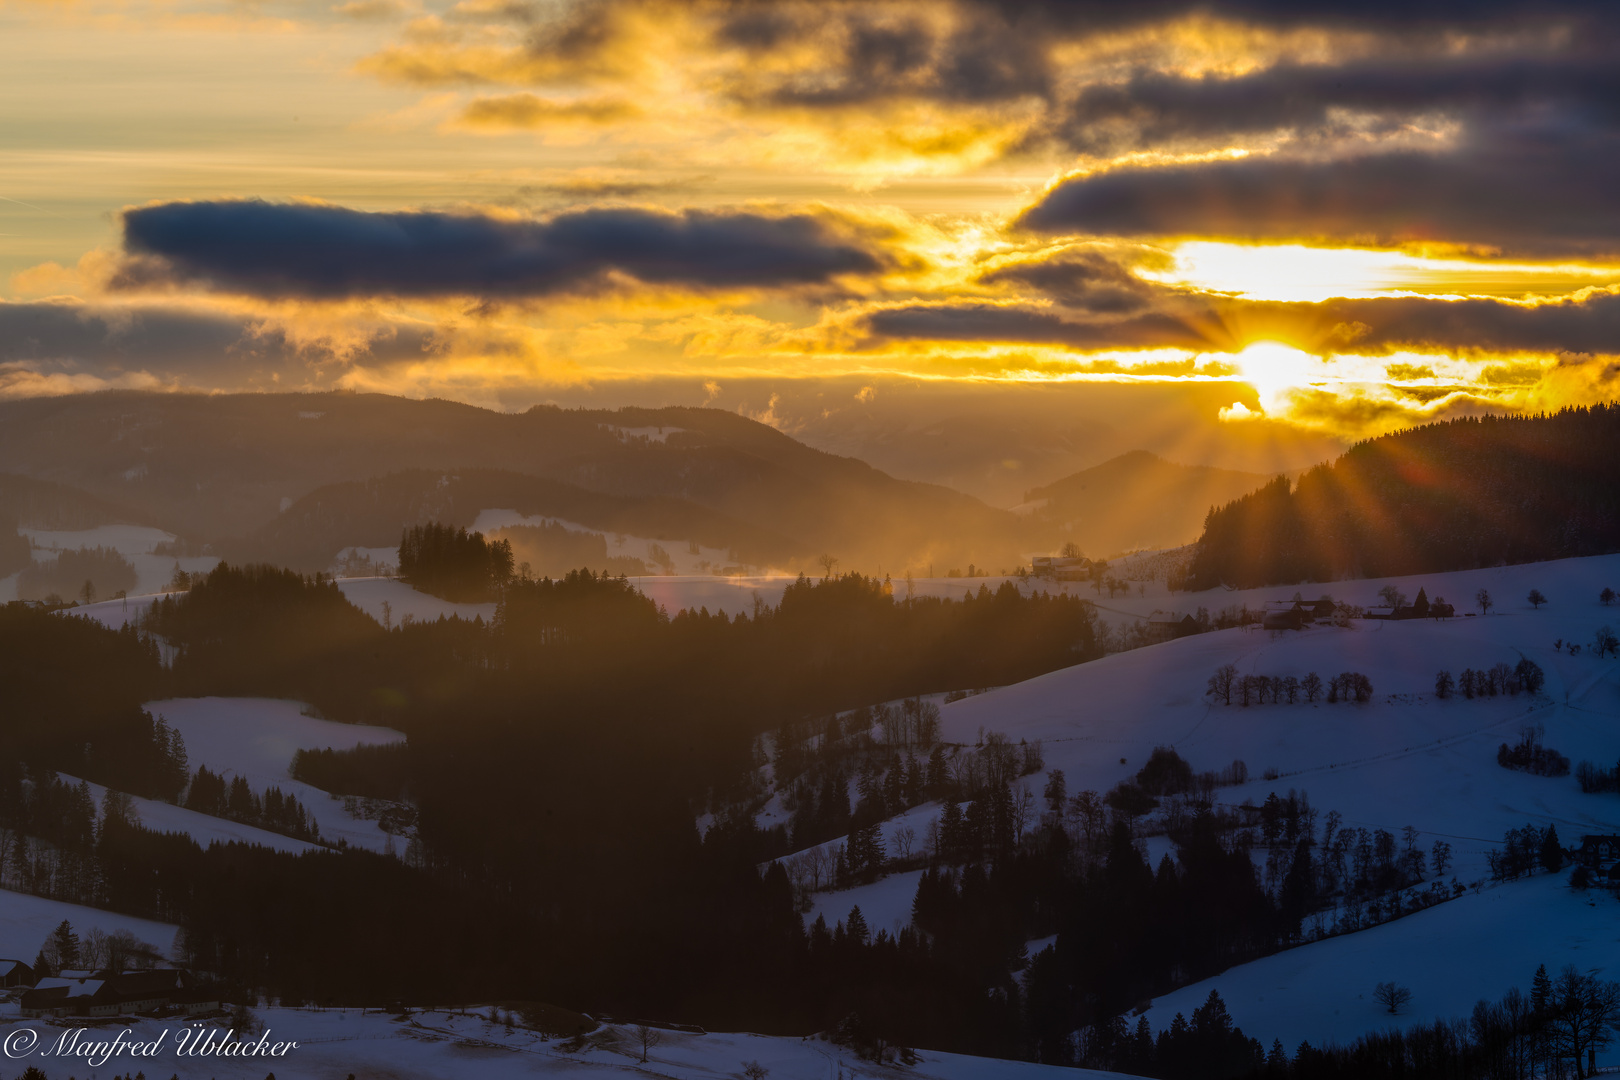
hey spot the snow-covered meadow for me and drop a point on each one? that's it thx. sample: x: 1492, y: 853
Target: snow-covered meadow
x: 460, y: 1046
x: 26, y: 921
x: 1403, y: 758
x: 255, y: 738
x: 133, y: 542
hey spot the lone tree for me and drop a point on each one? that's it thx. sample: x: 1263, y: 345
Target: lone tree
x: 1312, y: 686
x: 1444, y: 684
x: 1483, y: 599
x: 827, y: 563
x: 1536, y: 599
x: 650, y: 1037
x: 1392, y: 996
x: 1606, y: 597
x: 1221, y: 683
x: 753, y: 1070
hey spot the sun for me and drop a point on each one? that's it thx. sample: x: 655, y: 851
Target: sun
x: 1273, y: 368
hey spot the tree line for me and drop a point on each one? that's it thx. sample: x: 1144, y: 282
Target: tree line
x: 1455, y: 495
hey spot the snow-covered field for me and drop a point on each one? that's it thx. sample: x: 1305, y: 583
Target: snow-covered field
x: 26, y: 921
x: 682, y: 558
x: 165, y: 817
x: 134, y: 542
x: 444, y: 1046
x: 885, y: 904
x: 1449, y: 956
x: 255, y: 738
x: 1403, y: 758
x: 369, y: 595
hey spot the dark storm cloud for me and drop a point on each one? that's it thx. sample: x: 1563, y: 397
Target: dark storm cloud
x: 1087, y: 281
x: 170, y: 342
x: 1539, y: 191
x: 329, y: 252
x: 1180, y: 319
x: 1571, y: 84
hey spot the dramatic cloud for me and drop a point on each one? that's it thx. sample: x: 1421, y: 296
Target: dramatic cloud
x: 1537, y: 195
x: 181, y: 338
x: 329, y: 252
x: 1095, y: 301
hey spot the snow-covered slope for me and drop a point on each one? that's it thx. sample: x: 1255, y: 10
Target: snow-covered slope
x: 165, y: 817
x: 1449, y: 957
x: 442, y: 1046
x: 1403, y: 758
x: 255, y: 738
x: 369, y: 595
x: 134, y: 542
x: 25, y: 922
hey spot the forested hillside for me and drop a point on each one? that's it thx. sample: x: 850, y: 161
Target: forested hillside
x: 370, y: 513
x: 216, y: 467
x: 1468, y: 493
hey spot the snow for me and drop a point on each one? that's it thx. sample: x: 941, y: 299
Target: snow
x: 1402, y: 758
x: 255, y: 738
x: 443, y: 1046
x: 651, y: 434
x: 885, y: 904
x: 26, y: 921
x: 165, y: 817
x: 1449, y: 956
x: 369, y: 595
x: 134, y: 542
x: 684, y: 560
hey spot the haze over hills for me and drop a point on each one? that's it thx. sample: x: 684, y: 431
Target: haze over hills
x: 216, y: 467
x: 370, y: 513
x: 1467, y: 493
x: 1137, y: 500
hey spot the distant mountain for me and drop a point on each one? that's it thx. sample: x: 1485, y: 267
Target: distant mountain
x: 1136, y: 500
x: 217, y: 467
x: 1469, y: 493
x: 40, y: 504
x: 371, y: 513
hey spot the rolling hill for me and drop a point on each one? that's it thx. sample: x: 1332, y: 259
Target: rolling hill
x: 1137, y: 500
x: 216, y: 467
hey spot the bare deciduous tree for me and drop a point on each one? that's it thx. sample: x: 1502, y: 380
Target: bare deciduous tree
x: 649, y: 1037
x: 1391, y: 996
x: 827, y: 562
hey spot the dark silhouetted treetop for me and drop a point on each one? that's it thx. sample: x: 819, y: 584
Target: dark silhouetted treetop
x: 1472, y: 492
x: 454, y: 563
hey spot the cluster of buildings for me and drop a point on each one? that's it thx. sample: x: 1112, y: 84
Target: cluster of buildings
x: 1600, y: 854
x: 108, y: 993
x: 1061, y: 567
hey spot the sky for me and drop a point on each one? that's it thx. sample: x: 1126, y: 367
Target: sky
x: 1261, y: 229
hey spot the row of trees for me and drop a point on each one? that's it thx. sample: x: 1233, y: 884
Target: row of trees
x: 1226, y: 683
x: 1524, y: 851
x: 98, y: 950
x: 1525, y: 676
x: 1553, y: 1031
x: 236, y: 801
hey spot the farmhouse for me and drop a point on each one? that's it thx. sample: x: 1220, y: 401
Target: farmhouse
x: 1599, y: 851
x: 110, y: 993
x: 16, y: 973
x: 1060, y: 567
x: 1165, y: 626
